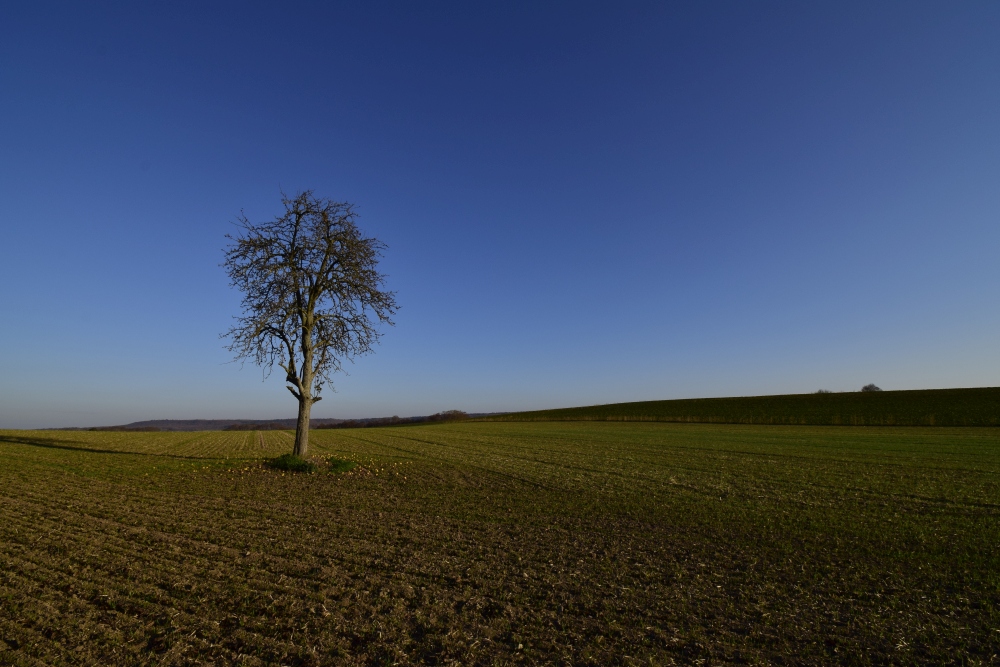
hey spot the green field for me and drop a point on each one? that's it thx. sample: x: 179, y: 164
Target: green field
x: 504, y: 543
x: 923, y: 407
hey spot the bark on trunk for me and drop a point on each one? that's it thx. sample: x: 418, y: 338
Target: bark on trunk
x: 302, y: 427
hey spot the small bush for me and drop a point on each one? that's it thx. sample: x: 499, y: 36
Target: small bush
x: 292, y: 463
x: 870, y: 387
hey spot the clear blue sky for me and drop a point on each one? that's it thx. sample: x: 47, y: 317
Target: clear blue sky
x: 583, y: 203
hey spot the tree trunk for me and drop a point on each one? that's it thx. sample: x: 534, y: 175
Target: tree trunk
x: 302, y: 427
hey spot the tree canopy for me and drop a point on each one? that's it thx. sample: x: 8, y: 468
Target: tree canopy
x: 313, y: 296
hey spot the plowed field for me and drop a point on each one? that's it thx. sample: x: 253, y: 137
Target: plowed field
x: 503, y: 543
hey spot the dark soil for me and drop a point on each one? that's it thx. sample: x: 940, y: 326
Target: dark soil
x: 491, y: 544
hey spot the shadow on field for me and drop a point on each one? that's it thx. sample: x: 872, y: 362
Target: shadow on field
x: 79, y: 446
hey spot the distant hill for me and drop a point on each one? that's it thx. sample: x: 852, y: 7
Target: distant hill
x: 248, y: 424
x: 218, y: 424
x: 924, y: 407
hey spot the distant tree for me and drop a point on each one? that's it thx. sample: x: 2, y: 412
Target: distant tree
x: 312, y: 296
x: 870, y: 387
x: 823, y: 391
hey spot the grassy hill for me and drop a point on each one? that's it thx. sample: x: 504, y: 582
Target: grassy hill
x: 925, y: 407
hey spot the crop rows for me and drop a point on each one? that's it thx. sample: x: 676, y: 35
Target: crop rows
x: 203, y: 444
x: 503, y: 544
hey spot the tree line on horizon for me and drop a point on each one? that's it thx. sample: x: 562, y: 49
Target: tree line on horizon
x: 447, y: 415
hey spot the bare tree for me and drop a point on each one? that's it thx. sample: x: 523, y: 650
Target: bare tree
x: 312, y: 296
x: 870, y: 388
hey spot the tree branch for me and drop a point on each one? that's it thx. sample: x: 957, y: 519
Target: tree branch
x: 313, y: 295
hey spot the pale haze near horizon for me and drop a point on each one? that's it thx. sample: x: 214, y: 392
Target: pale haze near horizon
x: 582, y: 204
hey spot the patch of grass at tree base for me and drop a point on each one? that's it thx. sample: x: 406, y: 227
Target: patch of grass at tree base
x: 292, y: 463
x: 340, y: 465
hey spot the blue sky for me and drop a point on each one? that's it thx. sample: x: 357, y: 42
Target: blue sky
x: 583, y: 203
